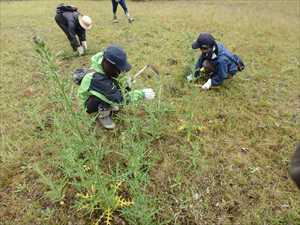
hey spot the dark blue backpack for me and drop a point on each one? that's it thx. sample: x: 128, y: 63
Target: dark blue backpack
x: 237, y: 61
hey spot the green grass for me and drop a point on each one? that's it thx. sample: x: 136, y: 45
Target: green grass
x: 190, y: 157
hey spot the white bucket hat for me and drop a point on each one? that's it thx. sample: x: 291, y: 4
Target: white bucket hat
x: 85, y: 22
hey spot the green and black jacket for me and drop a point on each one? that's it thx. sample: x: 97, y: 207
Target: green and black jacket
x: 105, y: 88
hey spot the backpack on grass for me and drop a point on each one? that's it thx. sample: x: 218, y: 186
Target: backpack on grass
x: 79, y: 74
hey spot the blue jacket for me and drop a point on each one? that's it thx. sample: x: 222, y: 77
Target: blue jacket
x: 224, y: 62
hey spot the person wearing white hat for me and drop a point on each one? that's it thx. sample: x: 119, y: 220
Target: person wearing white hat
x: 74, y: 25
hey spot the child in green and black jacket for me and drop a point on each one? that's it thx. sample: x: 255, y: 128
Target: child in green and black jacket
x: 100, y: 91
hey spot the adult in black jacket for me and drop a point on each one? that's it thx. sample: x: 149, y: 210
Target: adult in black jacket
x: 74, y: 26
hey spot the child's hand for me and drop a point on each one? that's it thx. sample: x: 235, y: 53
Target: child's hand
x: 190, y: 77
x: 207, y: 85
x: 129, y: 81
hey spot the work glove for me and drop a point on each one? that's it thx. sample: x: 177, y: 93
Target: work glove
x: 80, y: 50
x: 194, y: 76
x: 84, y: 45
x: 129, y: 82
x: 190, y: 77
x: 207, y: 85
x: 149, y: 94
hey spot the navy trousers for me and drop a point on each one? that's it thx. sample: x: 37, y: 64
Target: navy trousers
x: 115, y: 6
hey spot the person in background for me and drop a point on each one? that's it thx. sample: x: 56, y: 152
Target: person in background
x: 74, y: 25
x: 115, y: 4
x: 295, y: 167
x: 100, y: 90
x: 215, y: 61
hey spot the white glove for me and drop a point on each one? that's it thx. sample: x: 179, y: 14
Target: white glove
x: 207, y: 85
x: 84, y: 45
x: 148, y: 93
x: 80, y: 50
x: 190, y: 77
x: 129, y: 81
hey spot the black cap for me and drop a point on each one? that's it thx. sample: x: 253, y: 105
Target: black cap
x: 117, y: 56
x: 205, y: 40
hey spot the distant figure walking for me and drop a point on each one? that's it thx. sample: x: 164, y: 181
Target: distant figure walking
x: 295, y: 166
x: 123, y: 5
x: 74, y: 25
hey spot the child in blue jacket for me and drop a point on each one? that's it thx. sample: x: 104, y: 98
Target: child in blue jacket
x: 224, y: 64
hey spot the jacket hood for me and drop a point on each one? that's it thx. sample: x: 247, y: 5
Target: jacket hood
x: 221, y: 49
x: 96, y: 62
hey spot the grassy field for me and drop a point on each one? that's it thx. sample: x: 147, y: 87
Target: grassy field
x: 189, y: 157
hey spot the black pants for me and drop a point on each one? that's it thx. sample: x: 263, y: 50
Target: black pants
x: 93, y: 103
x: 115, y: 6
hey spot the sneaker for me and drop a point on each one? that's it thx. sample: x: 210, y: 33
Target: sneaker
x: 190, y: 77
x: 107, y: 122
x: 130, y: 19
x: 115, y: 20
x: 115, y: 108
x: 105, y: 118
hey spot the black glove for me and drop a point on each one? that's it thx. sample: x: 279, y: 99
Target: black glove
x: 197, y: 73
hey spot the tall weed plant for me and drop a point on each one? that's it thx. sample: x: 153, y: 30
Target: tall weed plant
x: 101, y: 187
